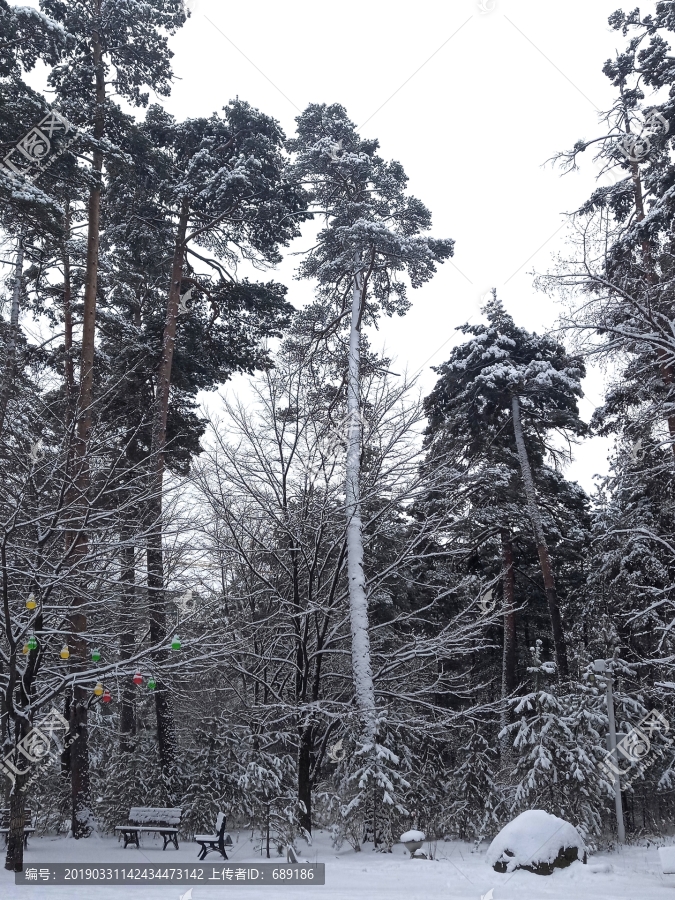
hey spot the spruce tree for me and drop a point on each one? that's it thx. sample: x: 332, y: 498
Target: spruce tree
x: 522, y: 387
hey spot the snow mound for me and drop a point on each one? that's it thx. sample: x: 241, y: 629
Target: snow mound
x: 412, y: 836
x: 535, y: 839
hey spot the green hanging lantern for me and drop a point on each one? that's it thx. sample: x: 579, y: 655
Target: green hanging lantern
x: 152, y: 684
x: 95, y: 654
x: 175, y: 643
x: 32, y: 642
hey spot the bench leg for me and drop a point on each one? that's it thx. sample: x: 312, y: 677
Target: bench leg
x: 202, y: 852
x: 170, y: 839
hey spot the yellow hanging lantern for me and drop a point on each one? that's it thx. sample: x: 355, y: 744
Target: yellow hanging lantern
x: 31, y: 603
x: 65, y: 652
x: 25, y: 649
x: 98, y: 690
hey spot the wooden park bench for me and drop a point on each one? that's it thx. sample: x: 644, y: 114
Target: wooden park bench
x: 216, y: 842
x: 150, y: 818
x: 28, y: 827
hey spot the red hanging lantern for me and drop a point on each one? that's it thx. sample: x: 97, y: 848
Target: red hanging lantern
x: 138, y: 678
x: 106, y: 696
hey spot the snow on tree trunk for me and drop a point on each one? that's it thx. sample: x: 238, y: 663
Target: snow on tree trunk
x: 542, y: 548
x: 358, y: 601
x: 10, y: 356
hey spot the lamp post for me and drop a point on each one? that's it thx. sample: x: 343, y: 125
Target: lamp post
x: 600, y: 668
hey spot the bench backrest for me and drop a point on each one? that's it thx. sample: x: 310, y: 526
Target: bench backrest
x: 5, y: 813
x: 220, y: 823
x: 153, y: 815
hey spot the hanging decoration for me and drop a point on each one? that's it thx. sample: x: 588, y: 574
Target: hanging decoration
x: 32, y: 642
x: 106, y: 698
x: 31, y: 603
x: 95, y: 654
x: 65, y: 652
x: 98, y: 690
x: 152, y: 684
x: 25, y: 648
x: 175, y: 643
x: 138, y: 678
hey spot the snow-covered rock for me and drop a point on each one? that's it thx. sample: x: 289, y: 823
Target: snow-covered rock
x: 537, y: 841
x: 412, y: 836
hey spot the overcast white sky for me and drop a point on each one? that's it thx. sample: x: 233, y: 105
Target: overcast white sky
x: 471, y: 96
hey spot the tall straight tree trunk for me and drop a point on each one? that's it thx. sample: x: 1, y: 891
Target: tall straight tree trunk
x: 10, y: 359
x: 542, y: 547
x: 166, y: 725
x: 4, y: 738
x: 127, y: 621
x: 358, y: 601
x: 305, y: 777
x: 81, y: 812
x: 166, y: 728
x: 509, y: 588
x: 509, y: 651
x: 68, y: 365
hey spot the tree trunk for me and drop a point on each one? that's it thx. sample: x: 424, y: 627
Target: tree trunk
x: 542, y: 548
x: 5, y: 746
x: 127, y: 718
x: 509, y: 587
x: 81, y: 813
x: 65, y: 756
x: 166, y: 725
x: 91, y: 271
x: 166, y: 728
x: 10, y: 359
x: 267, y: 831
x: 169, y: 342
x: 17, y: 818
x: 358, y: 601
x: 68, y: 365
x: 82, y: 816
x: 304, y: 777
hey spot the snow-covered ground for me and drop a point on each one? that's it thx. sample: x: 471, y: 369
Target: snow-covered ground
x: 633, y: 873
